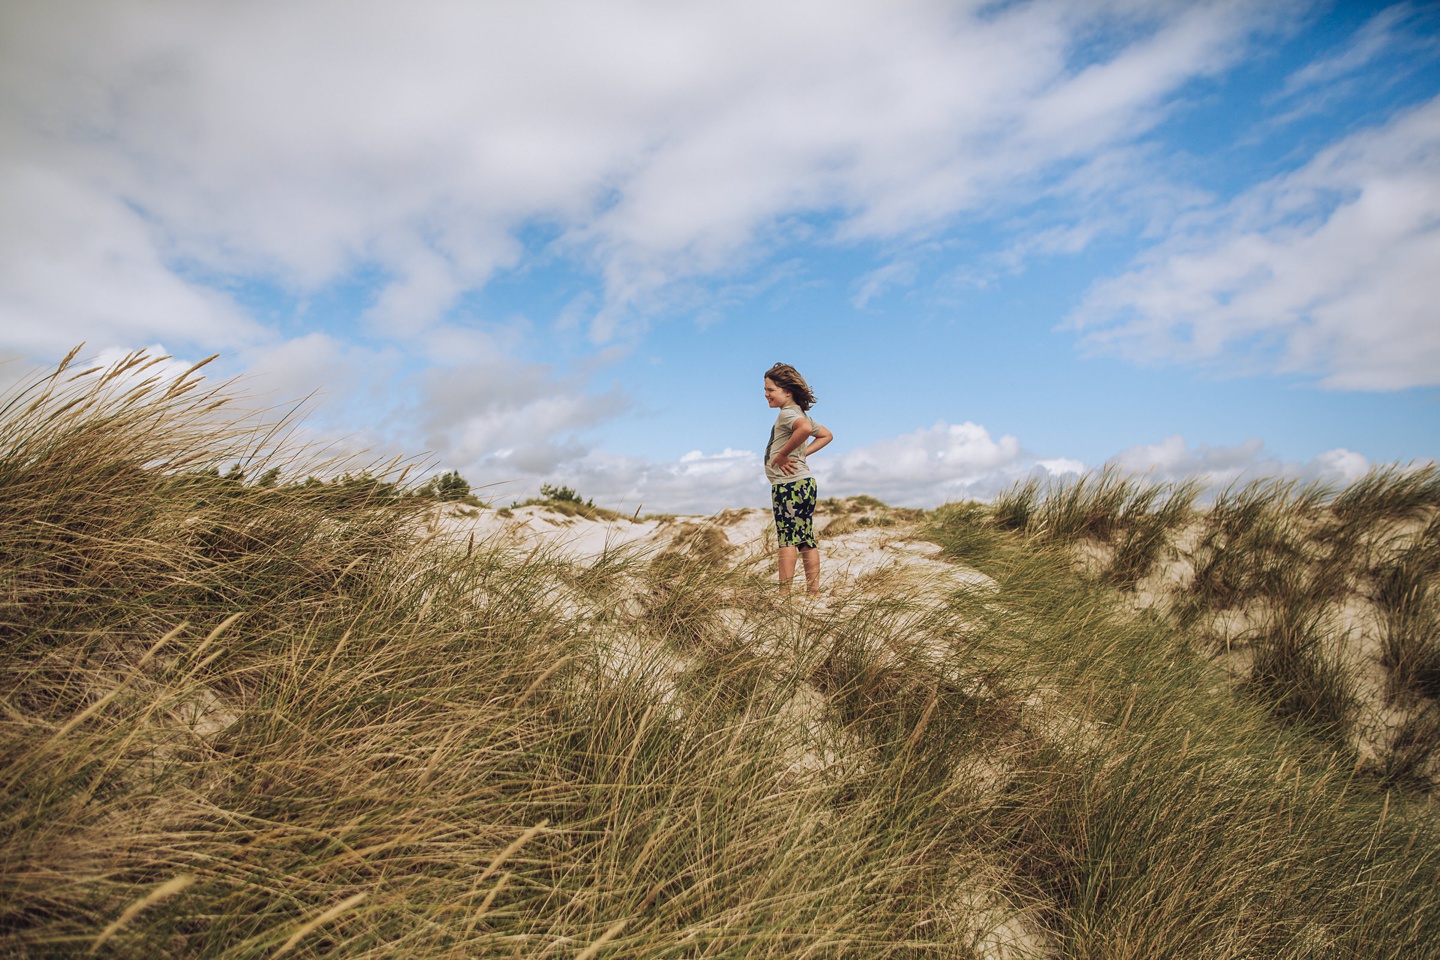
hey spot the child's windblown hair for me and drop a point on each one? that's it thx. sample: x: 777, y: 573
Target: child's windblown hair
x: 788, y: 378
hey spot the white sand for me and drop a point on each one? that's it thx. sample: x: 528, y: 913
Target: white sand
x: 849, y: 561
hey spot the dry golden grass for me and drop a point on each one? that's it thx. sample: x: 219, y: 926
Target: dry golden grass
x: 259, y: 721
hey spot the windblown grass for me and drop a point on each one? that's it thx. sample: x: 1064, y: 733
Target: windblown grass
x: 266, y: 721
x: 1157, y: 804
x: 1283, y: 582
x: 1253, y: 543
x: 1297, y: 678
x: 1389, y: 492
x: 1406, y: 593
x: 1134, y: 517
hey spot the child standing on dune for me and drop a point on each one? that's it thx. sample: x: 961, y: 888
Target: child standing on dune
x: 792, y: 487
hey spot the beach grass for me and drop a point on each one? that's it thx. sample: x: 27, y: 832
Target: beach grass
x: 246, y: 719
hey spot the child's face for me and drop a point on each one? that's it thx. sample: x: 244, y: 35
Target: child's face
x: 775, y: 395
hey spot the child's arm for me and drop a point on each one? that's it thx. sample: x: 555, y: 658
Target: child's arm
x: 822, y: 437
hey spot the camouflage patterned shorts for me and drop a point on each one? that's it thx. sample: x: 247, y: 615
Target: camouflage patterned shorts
x: 794, y: 504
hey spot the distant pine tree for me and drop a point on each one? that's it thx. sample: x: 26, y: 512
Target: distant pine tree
x: 449, y: 487
x: 564, y: 494
x: 452, y: 486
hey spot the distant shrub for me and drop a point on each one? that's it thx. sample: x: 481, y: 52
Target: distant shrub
x: 565, y: 500
x: 448, y: 487
x: 563, y: 494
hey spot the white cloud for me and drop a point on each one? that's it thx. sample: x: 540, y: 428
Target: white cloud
x: 1339, y: 466
x: 1378, y: 37
x: 925, y: 467
x: 155, y: 152
x: 340, y: 386
x: 922, y: 468
x: 1330, y: 271
x: 474, y: 412
x: 465, y: 405
x: 79, y: 265
x: 878, y: 281
x: 301, y: 142
x: 1059, y: 466
x: 696, y: 483
x: 1221, y: 466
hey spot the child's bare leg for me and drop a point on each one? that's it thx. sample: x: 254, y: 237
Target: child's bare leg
x: 787, y: 568
x: 810, y: 556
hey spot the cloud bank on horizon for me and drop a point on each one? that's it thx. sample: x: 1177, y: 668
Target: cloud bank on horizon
x: 512, y: 233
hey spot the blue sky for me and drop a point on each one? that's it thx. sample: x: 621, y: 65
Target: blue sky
x: 561, y: 242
